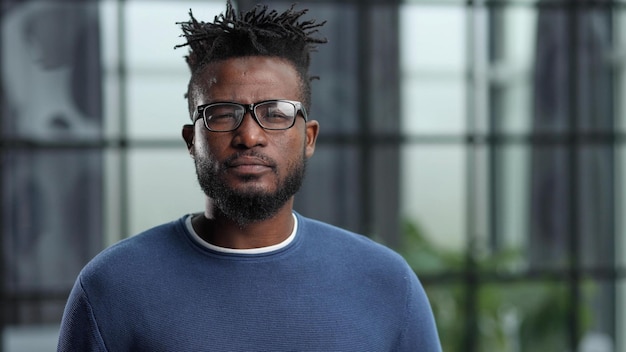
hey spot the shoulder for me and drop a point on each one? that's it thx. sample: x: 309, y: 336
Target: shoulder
x: 142, y: 250
x: 374, y: 268
x: 325, y: 233
x: 345, y: 244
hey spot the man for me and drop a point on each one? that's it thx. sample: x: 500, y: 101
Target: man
x: 248, y: 273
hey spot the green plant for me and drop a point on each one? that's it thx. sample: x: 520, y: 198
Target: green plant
x: 513, y: 315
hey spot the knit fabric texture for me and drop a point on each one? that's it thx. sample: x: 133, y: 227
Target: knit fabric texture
x: 327, y: 290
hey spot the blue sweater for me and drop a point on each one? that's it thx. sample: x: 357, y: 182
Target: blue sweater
x: 327, y: 290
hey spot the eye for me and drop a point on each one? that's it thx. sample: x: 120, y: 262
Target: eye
x: 221, y: 113
x: 275, y: 113
x: 222, y: 116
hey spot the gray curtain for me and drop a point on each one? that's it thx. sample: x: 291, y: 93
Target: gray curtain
x: 573, y: 183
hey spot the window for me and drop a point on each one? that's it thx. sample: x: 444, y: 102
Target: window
x: 482, y: 140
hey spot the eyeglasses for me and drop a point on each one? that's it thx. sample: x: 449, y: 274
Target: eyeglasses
x: 269, y: 114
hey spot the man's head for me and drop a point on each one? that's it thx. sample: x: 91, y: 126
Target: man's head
x: 249, y: 169
x: 259, y: 32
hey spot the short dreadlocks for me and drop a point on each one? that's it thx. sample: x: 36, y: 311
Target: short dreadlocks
x: 257, y: 32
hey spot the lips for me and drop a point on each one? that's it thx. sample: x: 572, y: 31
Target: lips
x: 249, y: 163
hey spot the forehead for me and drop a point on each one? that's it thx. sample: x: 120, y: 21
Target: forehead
x: 247, y: 80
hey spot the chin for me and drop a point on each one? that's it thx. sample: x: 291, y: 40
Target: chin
x: 252, y: 192
x: 252, y: 185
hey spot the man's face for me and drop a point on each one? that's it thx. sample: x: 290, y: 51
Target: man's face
x: 250, y: 173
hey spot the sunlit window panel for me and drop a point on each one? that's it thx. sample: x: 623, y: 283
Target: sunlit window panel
x: 620, y: 254
x: 157, y: 73
x: 433, y: 71
x: 162, y: 186
x: 510, y: 214
x: 151, y: 31
x: 619, y: 58
x: 157, y: 107
x: 433, y: 198
x: 510, y: 72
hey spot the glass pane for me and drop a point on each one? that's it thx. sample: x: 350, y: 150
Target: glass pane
x: 532, y: 196
x: 336, y: 94
x: 332, y: 190
x: 421, y: 51
x: 448, y: 302
x: 109, y: 34
x: 384, y: 80
x: 480, y: 181
x: 523, y: 317
x: 518, y: 36
x: 52, y: 225
x: 597, y: 316
x: 157, y: 74
x: 551, y: 206
x: 443, y: 2
x: 620, y: 207
x: 432, y: 202
x: 50, y: 71
x: 515, y: 112
x: 433, y: 104
x: 512, y: 200
x: 620, y: 293
x: 156, y: 105
x: 40, y: 338
x: 620, y: 309
x: 619, y: 32
x: 596, y: 199
x: 513, y: 36
x: 506, y: 248
x: 384, y: 195
x: 432, y: 69
x: 151, y: 31
x: 572, y: 85
x: 162, y: 187
x: 113, y: 197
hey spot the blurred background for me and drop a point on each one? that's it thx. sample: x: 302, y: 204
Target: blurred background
x: 483, y: 140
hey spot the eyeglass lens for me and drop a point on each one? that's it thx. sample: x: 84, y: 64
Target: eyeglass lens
x: 270, y: 115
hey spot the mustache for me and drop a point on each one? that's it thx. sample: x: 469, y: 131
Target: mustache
x: 249, y: 154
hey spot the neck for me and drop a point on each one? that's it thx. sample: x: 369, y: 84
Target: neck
x: 215, y: 228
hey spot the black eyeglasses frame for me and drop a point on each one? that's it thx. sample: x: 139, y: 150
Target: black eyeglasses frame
x: 250, y: 108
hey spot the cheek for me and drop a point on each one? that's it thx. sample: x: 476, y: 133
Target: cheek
x: 292, y: 155
x: 293, y: 148
x: 209, y: 147
x: 206, y: 157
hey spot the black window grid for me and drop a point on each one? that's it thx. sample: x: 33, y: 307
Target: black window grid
x: 367, y: 140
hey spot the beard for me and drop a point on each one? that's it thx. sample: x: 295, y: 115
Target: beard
x: 252, y: 205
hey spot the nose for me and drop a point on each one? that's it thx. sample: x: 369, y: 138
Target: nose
x: 249, y: 134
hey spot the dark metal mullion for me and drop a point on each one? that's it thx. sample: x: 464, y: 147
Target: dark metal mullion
x: 538, y: 275
x: 613, y: 175
x: 572, y: 11
x: 493, y: 145
x: 364, y: 118
x: 470, y: 341
x: 4, y: 304
x: 122, y: 73
x: 379, y: 139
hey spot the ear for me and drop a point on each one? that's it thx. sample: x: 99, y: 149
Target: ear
x: 188, y: 136
x: 312, y: 130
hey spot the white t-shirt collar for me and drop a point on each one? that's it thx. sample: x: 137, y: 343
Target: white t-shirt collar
x: 260, y: 250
